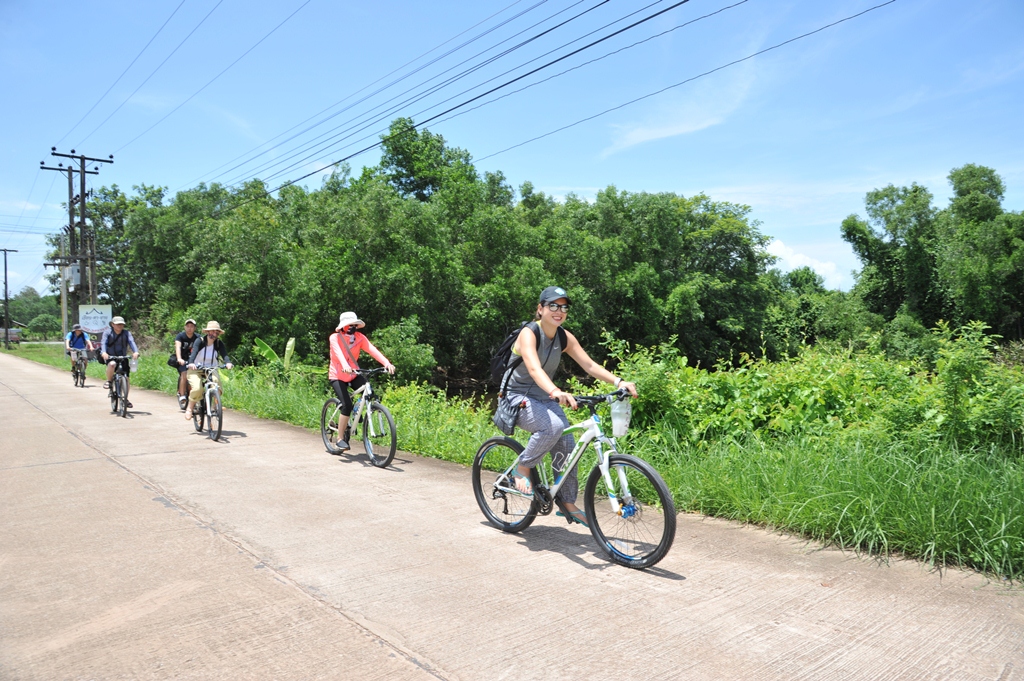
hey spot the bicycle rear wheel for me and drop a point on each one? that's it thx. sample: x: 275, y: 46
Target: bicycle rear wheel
x: 82, y: 364
x: 113, y: 395
x: 329, y: 416
x: 379, y: 437
x: 495, y: 491
x: 215, y: 416
x: 642, y: 531
x: 122, y: 395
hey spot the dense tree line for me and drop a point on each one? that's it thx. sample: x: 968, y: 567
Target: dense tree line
x: 438, y: 257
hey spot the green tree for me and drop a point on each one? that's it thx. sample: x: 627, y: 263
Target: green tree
x: 980, y: 251
x: 45, y: 325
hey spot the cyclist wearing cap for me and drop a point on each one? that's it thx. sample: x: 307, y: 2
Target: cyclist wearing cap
x: 116, y: 341
x: 204, y: 353
x: 77, y: 339
x: 183, y: 343
x: 346, y: 344
x: 531, y: 383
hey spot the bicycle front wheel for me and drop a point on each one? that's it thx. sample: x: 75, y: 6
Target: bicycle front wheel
x: 113, y: 395
x: 81, y: 373
x: 495, y: 490
x: 122, y: 395
x: 641, y: 532
x: 379, y: 437
x: 198, y: 411
x: 329, y: 416
x: 215, y: 416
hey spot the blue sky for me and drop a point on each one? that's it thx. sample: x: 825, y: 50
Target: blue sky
x: 901, y: 94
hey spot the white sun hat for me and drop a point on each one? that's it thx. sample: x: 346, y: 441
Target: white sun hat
x: 347, y: 319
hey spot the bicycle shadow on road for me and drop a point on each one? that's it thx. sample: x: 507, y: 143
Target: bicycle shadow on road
x: 225, y: 436
x: 364, y: 460
x: 576, y: 546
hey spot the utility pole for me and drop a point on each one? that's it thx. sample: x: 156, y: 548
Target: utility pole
x: 82, y: 250
x: 7, y: 303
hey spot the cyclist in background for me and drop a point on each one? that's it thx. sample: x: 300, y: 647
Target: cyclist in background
x: 77, y: 339
x: 204, y: 353
x: 531, y: 383
x: 183, y: 343
x: 117, y: 341
x: 346, y: 344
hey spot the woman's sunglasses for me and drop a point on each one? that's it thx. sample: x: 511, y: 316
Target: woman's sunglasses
x: 555, y: 307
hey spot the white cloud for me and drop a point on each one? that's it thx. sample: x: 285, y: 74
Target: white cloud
x: 789, y: 259
x: 700, y: 107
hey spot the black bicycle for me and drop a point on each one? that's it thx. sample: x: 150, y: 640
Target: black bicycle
x: 81, y: 361
x: 119, y: 386
x: 380, y: 440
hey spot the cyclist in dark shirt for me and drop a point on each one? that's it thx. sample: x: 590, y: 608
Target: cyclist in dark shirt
x: 117, y: 341
x: 183, y: 343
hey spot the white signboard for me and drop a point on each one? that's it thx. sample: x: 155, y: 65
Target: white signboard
x: 94, y: 318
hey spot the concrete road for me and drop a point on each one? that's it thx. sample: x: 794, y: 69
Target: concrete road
x: 136, y: 549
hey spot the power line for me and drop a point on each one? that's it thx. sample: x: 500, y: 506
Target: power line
x: 520, y: 77
x: 411, y: 61
x: 159, y: 66
x: 210, y: 82
x: 274, y: 162
x: 751, y: 56
x: 596, y: 59
x: 688, y: 80
x: 324, y: 146
x: 122, y: 73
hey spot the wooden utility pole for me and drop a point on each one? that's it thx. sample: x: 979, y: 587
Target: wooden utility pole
x: 7, y: 303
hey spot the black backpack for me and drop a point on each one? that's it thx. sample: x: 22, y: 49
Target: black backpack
x: 500, y: 363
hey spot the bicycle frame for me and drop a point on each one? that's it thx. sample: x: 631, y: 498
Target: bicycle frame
x: 211, y: 382
x: 590, y: 431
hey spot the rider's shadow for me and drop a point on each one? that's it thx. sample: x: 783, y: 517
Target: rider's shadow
x: 364, y: 461
x: 225, y: 436
x: 575, y: 547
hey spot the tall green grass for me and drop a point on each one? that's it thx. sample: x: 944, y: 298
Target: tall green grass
x: 828, y: 446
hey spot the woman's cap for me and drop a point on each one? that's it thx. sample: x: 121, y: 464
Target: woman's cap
x: 117, y: 320
x: 553, y: 293
x: 212, y: 326
x: 348, y: 319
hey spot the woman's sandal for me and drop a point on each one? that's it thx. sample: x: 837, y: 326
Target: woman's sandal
x: 576, y: 516
x: 529, y: 483
x: 188, y: 414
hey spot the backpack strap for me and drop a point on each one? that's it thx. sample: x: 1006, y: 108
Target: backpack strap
x: 518, y: 359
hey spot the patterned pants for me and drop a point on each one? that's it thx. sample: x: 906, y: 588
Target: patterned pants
x: 546, y: 420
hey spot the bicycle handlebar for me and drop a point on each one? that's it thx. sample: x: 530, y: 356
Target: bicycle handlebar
x: 205, y: 367
x: 110, y: 357
x: 366, y: 373
x: 593, y: 400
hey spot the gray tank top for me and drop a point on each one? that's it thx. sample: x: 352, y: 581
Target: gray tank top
x: 550, y: 352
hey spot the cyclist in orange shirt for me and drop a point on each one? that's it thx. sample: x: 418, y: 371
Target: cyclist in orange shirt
x: 346, y: 344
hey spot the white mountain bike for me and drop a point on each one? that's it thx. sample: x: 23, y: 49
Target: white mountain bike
x: 628, y: 506
x: 380, y: 440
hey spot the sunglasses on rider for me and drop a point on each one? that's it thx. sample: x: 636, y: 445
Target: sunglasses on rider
x: 555, y: 307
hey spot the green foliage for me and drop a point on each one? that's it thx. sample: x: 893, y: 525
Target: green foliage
x: 27, y: 304
x: 414, y: 361
x: 45, y: 325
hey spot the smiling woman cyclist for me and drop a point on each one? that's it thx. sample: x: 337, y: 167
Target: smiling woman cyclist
x: 532, y: 382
